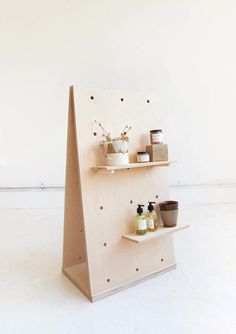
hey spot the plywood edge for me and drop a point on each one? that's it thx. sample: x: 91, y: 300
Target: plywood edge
x: 125, y: 286
x: 74, y: 241
x: 72, y: 274
x: 132, y: 166
x: 139, y: 239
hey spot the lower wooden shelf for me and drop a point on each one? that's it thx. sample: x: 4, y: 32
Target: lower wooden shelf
x: 162, y: 231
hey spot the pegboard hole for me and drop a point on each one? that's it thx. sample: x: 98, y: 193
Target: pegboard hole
x: 137, y: 269
x: 101, y: 207
x: 162, y: 260
x: 122, y: 99
x: 108, y: 280
x: 91, y: 97
x: 157, y: 196
x: 104, y: 244
x: 95, y: 133
x: 131, y: 202
x: 148, y: 101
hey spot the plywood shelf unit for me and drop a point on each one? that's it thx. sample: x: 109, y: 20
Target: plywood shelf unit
x: 161, y: 232
x: 131, y: 166
x: 100, y: 209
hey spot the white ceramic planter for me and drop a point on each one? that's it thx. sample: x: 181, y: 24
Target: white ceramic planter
x: 118, y: 155
x: 117, y: 159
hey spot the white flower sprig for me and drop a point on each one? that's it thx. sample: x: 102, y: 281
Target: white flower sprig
x: 109, y: 138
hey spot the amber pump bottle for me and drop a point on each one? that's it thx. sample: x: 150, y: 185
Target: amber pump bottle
x: 140, y: 221
x: 151, y: 218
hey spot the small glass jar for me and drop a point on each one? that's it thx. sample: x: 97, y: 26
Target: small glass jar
x: 143, y: 157
x: 156, y: 137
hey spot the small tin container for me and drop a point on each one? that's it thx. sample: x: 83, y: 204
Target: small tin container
x: 143, y: 157
x: 156, y: 137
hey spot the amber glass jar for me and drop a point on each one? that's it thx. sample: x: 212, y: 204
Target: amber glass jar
x: 156, y: 137
x: 143, y: 157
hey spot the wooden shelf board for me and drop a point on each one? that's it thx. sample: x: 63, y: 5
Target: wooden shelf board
x: 162, y: 231
x: 131, y: 166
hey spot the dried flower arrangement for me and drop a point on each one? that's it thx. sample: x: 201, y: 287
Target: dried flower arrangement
x: 114, y: 144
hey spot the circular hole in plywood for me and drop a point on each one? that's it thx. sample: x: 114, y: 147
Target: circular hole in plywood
x: 104, y: 244
x: 122, y: 99
x: 108, y: 280
x: 148, y: 101
x: 131, y: 202
x: 162, y: 259
x: 95, y: 133
x: 101, y: 207
x: 137, y: 269
x: 157, y: 196
x: 91, y: 97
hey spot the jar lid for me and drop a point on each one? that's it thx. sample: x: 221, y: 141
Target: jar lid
x: 158, y: 130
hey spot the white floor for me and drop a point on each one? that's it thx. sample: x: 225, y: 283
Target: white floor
x: 198, y: 297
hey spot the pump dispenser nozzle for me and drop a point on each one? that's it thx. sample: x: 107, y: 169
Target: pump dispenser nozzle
x: 140, y: 209
x: 151, y: 206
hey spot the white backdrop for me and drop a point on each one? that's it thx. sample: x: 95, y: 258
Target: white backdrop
x: 185, y: 50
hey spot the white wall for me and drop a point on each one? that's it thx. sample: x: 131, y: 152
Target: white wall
x: 183, y: 49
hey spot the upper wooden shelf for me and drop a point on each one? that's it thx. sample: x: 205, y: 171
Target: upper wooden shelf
x: 162, y: 231
x: 131, y: 166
